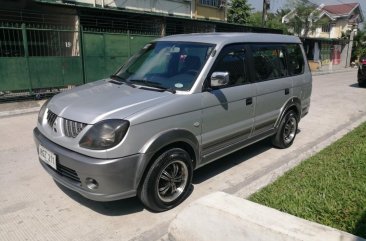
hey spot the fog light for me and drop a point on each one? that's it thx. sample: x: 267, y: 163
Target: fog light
x: 91, y: 183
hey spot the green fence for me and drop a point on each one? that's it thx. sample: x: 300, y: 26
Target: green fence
x: 104, y: 53
x: 36, y: 60
x: 33, y: 58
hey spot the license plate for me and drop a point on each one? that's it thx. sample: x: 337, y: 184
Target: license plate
x: 47, y: 156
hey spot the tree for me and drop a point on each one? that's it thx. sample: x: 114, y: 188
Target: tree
x: 359, y: 41
x: 274, y: 20
x: 239, y: 11
x: 304, y: 18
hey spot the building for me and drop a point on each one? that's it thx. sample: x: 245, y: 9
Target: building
x: 194, y: 9
x: 210, y: 9
x: 64, y: 43
x: 329, y: 45
x: 341, y: 18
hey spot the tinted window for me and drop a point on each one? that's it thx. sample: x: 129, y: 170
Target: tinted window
x: 269, y: 62
x: 233, y: 61
x: 295, y: 60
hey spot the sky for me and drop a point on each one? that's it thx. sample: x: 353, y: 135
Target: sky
x: 276, y: 4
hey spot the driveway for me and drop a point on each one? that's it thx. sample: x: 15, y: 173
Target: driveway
x: 34, y: 207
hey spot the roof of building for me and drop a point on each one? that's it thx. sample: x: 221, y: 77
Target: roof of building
x: 340, y: 9
x: 335, y: 11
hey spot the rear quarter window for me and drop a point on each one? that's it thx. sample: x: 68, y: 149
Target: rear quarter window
x: 295, y: 61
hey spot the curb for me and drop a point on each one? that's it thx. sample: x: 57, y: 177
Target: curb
x: 19, y: 112
x: 333, y: 72
x: 221, y: 216
x: 256, y: 183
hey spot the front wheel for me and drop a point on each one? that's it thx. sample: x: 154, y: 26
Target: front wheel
x: 168, y: 180
x: 287, y: 131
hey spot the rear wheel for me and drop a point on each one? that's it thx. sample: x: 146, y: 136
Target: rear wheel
x: 167, y: 181
x: 287, y: 131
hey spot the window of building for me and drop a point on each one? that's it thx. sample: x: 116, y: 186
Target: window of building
x: 269, y: 62
x: 212, y: 3
x: 233, y: 61
x: 326, y: 28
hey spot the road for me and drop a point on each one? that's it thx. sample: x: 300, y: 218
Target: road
x: 34, y: 207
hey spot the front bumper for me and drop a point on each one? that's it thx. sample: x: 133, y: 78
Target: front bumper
x: 117, y: 178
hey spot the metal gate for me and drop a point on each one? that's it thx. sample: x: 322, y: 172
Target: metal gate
x: 104, y: 52
x: 34, y: 58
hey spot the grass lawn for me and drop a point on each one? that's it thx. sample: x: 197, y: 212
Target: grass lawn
x: 328, y: 188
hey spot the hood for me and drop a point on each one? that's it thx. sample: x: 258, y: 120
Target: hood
x: 100, y: 100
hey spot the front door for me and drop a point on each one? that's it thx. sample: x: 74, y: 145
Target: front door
x: 227, y: 111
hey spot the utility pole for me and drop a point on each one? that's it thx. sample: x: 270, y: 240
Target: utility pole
x: 266, y: 6
x: 350, y: 46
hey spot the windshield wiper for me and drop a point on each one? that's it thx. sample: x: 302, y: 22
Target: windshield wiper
x: 123, y: 80
x: 153, y: 84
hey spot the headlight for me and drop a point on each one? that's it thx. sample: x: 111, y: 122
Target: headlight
x: 105, y: 134
x: 42, y: 111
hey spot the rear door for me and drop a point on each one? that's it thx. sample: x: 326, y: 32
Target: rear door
x: 272, y: 84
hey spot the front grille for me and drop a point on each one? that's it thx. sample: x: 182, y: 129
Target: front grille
x: 51, y: 118
x: 72, y: 128
x: 67, y: 172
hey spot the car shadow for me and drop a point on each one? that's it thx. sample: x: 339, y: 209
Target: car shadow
x: 360, y: 228
x: 112, y: 208
x: 212, y: 169
x: 356, y: 85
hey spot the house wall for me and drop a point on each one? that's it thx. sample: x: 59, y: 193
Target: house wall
x: 175, y: 7
x: 320, y: 34
x: 208, y: 12
x: 341, y: 26
x: 336, y: 30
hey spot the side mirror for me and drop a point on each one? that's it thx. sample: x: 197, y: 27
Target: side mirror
x: 219, y: 79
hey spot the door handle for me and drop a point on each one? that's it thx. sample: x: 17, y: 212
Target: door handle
x: 249, y: 101
x: 287, y: 91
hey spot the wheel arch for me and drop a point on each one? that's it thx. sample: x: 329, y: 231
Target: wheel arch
x: 292, y: 104
x: 177, y: 138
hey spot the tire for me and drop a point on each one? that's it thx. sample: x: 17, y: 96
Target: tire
x: 168, y: 181
x: 287, y: 131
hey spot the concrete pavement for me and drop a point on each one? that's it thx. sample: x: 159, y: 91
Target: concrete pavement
x: 221, y: 216
x: 34, y: 207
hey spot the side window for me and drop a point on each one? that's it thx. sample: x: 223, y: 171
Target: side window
x: 295, y: 60
x: 269, y: 62
x: 233, y: 61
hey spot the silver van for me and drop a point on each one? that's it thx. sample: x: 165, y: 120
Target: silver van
x: 181, y: 102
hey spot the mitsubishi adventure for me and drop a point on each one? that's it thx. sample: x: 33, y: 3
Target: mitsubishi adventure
x: 180, y: 103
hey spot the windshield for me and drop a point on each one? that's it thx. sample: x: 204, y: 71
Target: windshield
x: 166, y: 65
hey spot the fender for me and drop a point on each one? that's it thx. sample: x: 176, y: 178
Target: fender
x: 293, y: 102
x: 162, y: 140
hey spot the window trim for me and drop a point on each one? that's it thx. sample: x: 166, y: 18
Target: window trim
x: 304, y: 61
x: 282, y: 46
x: 224, y: 50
